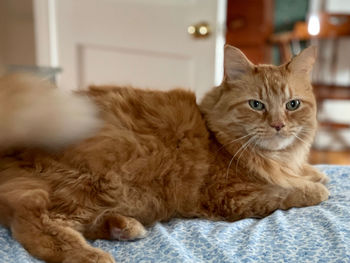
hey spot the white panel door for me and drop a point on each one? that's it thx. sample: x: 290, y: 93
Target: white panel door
x: 144, y: 43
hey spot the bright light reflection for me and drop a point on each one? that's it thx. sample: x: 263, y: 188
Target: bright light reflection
x: 314, y: 25
x: 191, y: 30
x: 203, y: 30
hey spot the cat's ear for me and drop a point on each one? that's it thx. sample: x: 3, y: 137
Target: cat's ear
x: 303, y: 62
x: 235, y: 63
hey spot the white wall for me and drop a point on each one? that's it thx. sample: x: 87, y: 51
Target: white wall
x: 338, y: 6
x: 17, y: 32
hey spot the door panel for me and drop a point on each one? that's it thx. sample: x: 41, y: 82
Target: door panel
x: 162, y: 70
x: 137, y: 42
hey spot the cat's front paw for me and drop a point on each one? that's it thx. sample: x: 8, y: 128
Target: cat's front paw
x: 112, y: 225
x: 313, y: 174
x: 309, y: 194
x: 89, y: 255
x: 322, y: 178
x: 318, y: 177
x: 132, y: 229
x: 318, y: 194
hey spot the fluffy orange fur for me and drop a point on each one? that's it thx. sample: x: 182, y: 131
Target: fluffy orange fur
x: 241, y: 153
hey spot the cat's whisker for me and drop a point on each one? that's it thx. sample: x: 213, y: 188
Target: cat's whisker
x: 306, y: 129
x: 306, y: 132
x: 305, y: 135
x: 233, y: 157
x: 256, y: 143
x: 296, y: 136
x: 240, y: 155
x: 240, y: 138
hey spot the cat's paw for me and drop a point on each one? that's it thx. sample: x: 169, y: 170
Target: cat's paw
x: 323, y: 179
x: 131, y: 230
x: 318, y: 177
x: 112, y: 225
x: 309, y: 194
x: 89, y: 255
x: 319, y: 194
x: 314, y: 175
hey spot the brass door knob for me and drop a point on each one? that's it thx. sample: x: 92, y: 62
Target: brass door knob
x: 199, y: 30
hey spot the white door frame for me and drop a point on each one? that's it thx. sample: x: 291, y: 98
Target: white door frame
x: 45, y: 32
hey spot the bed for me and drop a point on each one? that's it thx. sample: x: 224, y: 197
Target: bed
x: 312, y: 234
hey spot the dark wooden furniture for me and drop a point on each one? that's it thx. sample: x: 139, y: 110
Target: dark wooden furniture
x: 249, y: 26
x: 332, y: 27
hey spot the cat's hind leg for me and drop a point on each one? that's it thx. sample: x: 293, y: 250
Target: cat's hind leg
x: 49, y: 239
x: 111, y: 225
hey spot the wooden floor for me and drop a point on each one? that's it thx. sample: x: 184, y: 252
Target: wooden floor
x: 330, y: 157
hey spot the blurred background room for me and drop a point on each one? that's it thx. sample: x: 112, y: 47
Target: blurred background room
x: 179, y: 43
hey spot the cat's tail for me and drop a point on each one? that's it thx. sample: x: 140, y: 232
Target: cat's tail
x: 35, y: 113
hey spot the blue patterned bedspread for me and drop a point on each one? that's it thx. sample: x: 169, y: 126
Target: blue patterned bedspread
x: 312, y: 234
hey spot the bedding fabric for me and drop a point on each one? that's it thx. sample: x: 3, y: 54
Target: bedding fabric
x: 312, y: 234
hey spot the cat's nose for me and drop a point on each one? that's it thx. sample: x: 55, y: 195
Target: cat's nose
x: 277, y: 125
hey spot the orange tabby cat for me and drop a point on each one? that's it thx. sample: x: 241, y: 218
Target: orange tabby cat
x: 241, y: 153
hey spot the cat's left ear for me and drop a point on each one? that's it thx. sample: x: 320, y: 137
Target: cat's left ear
x: 303, y: 62
x: 236, y: 63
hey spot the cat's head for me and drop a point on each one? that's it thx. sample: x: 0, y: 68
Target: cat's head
x: 269, y: 107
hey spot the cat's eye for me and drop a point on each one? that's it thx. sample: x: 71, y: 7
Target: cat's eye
x: 256, y: 105
x: 293, y: 105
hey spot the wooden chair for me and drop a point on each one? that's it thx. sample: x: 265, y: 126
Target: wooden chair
x: 332, y: 28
